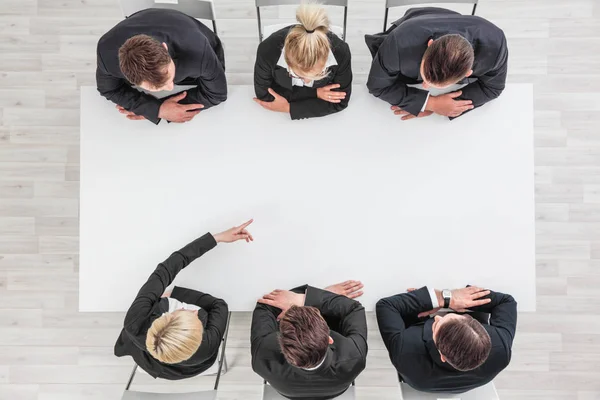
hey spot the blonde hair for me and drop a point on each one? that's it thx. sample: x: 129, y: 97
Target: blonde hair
x: 307, y: 44
x: 174, y: 337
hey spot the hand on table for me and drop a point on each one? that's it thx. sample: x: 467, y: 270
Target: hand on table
x: 172, y: 111
x: 406, y: 115
x: 234, y: 234
x: 328, y: 94
x: 130, y: 114
x: 350, y: 289
x: 283, y: 299
x: 447, y: 106
x: 279, y: 104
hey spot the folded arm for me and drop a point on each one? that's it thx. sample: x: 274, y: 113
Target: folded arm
x: 396, y: 313
x: 119, y: 91
x: 384, y: 80
x: 216, y: 308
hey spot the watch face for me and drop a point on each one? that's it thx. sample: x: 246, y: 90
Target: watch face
x: 446, y: 293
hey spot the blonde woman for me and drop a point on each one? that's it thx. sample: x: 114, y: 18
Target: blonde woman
x: 177, y: 335
x: 304, y: 69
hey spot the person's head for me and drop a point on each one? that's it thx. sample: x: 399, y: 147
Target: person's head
x: 174, y: 337
x: 307, y: 46
x: 462, y: 341
x: 304, y: 336
x: 145, y: 62
x: 446, y: 61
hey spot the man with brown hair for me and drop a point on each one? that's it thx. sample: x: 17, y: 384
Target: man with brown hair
x: 434, y: 49
x: 155, y: 49
x: 310, y: 343
x: 453, y: 353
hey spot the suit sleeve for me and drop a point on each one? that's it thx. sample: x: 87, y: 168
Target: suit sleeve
x: 503, y: 316
x: 212, y: 83
x: 316, y: 107
x: 120, y: 92
x: 395, y: 314
x: 383, y: 81
x: 264, y: 323
x: 489, y: 85
x: 263, y: 74
x: 164, y: 275
x: 349, y: 313
x: 216, y: 308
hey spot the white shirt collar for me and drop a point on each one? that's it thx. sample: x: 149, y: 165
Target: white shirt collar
x: 331, y: 61
x: 313, y: 368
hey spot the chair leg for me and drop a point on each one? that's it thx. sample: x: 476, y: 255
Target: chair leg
x: 385, y: 18
x: 214, y: 24
x: 223, y: 361
x: 474, y: 8
x: 131, y: 377
x: 260, y: 35
x: 345, y: 22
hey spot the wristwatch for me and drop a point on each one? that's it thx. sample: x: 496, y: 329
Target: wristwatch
x: 447, y: 295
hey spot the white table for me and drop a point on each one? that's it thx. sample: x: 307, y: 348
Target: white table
x: 355, y: 195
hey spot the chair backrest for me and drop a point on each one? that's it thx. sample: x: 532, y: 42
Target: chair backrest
x: 486, y: 392
x: 271, y: 394
x: 400, y: 3
x: 266, y: 3
x: 200, y: 9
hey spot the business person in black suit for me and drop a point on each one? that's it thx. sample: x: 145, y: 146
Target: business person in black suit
x: 155, y: 49
x: 319, y: 345
x: 177, y: 335
x: 454, y: 353
x: 304, y: 70
x: 437, y: 48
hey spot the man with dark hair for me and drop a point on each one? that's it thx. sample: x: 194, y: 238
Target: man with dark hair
x: 310, y: 343
x: 437, y: 49
x: 155, y: 49
x: 453, y: 353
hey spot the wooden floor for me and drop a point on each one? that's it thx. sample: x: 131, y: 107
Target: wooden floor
x: 49, y: 351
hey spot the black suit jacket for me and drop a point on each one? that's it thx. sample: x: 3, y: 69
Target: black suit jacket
x: 195, y: 50
x: 148, y: 305
x: 398, y: 53
x: 345, y: 358
x: 409, y: 340
x: 304, y: 102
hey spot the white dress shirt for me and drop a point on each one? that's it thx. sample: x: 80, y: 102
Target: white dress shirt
x: 175, y: 305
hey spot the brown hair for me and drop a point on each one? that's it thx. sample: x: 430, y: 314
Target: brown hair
x: 174, y: 337
x: 144, y: 59
x: 303, y: 336
x: 464, y: 343
x: 307, y: 44
x: 447, y: 60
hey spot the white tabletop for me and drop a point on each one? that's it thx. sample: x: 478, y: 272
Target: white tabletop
x: 355, y: 195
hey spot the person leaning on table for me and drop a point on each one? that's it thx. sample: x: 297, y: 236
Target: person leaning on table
x: 453, y: 353
x: 310, y: 343
x: 177, y: 335
x: 437, y: 48
x: 304, y: 69
x: 155, y: 49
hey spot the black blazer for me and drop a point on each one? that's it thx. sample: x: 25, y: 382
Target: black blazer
x: 195, y: 50
x: 304, y: 102
x: 148, y: 305
x: 345, y: 358
x: 398, y: 53
x: 409, y: 341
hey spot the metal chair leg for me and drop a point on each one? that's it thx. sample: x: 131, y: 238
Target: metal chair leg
x: 131, y: 377
x: 223, y: 361
x: 260, y: 35
x: 345, y: 23
x: 385, y: 18
x: 214, y: 24
x: 474, y: 8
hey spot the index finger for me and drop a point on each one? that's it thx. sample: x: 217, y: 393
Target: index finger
x: 333, y: 86
x: 245, y: 224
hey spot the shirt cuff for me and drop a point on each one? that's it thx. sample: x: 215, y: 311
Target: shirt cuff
x: 425, y: 104
x: 434, y: 299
